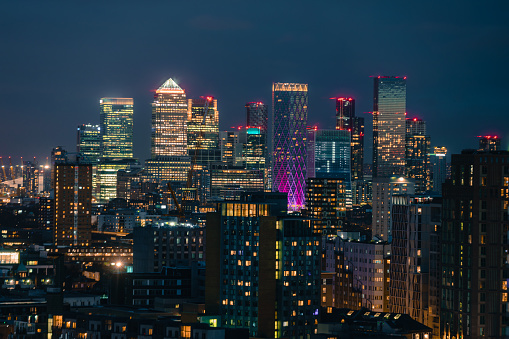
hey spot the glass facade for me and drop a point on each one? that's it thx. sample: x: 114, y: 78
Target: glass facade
x: 106, y: 178
x: 389, y: 107
x: 417, y: 157
x: 169, y: 121
x: 256, y: 115
x: 203, y: 131
x: 116, y: 119
x: 290, y: 109
x: 89, y: 142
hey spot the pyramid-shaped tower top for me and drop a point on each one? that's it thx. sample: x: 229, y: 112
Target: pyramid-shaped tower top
x: 170, y: 86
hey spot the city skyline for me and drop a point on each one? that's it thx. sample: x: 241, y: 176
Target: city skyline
x: 442, y: 65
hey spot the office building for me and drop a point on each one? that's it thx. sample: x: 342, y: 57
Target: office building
x: 326, y: 204
x: 368, y: 262
x: 383, y: 189
x: 290, y: 109
x: 106, y: 178
x: 73, y: 203
x: 415, y: 278
x: 203, y: 131
x: 475, y: 246
x: 331, y: 157
x: 257, y: 116
x: 169, y: 121
x: 232, y: 146
x: 89, y: 142
x: 347, y: 121
x: 170, y: 160
x: 116, y: 127
x: 31, y: 177
x: 167, y: 244
x: 389, y: 107
x: 439, y: 168
x: 230, y: 182
x: 357, y: 152
x: 489, y: 143
x: 417, y: 158
x: 262, y: 270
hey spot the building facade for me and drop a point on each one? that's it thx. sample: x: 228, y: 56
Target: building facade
x: 383, y: 189
x: 389, y: 107
x: 203, y: 131
x: 290, y: 110
x: 169, y: 121
x: 439, y: 168
x: 417, y: 154
x: 262, y: 270
x: 116, y: 127
x: 73, y: 203
x: 415, y: 278
x: 89, y: 142
x: 475, y: 246
x: 326, y: 204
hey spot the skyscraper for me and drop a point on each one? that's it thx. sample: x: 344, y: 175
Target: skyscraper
x: 262, y: 269
x: 489, y: 143
x: 290, y: 109
x: 347, y: 121
x: 345, y: 112
x: 170, y: 160
x: 415, y: 261
x: 116, y: 122
x: 475, y: 265
x: 89, y: 142
x: 203, y: 131
x: 256, y: 115
x: 417, y: 150
x: 389, y: 106
x: 439, y: 163
x: 169, y: 121
x: 73, y: 203
x: 383, y: 191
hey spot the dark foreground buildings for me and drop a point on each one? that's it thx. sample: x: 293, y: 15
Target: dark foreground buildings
x: 475, y: 246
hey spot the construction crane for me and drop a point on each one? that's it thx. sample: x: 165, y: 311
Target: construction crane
x: 175, y: 201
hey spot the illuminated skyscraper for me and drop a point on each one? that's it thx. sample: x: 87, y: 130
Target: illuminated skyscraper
x: 489, y: 143
x: 256, y: 115
x: 89, y: 142
x: 203, y: 131
x: 116, y: 120
x: 169, y: 121
x: 73, y: 203
x: 345, y: 112
x: 439, y: 163
x: 346, y: 120
x: 170, y: 160
x: 290, y: 110
x: 418, y: 148
x: 389, y: 106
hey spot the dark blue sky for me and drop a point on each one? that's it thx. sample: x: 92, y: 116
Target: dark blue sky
x: 57, y: 58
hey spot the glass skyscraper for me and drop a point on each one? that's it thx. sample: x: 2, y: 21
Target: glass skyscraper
x: 116, y: 120
x: 389, y: 106
x: 169, y: 121
x: 203, y: 131
x: 417, y: 158
x: 256, y: 115
x: 89, y: 142
x: 346, y: 120
x: 170, y: 160
x: 290, y: 110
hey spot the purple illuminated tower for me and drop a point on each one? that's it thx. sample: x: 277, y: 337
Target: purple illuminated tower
x: 290, y: 115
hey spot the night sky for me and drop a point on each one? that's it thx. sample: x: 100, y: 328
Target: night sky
x: 58, y: 58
